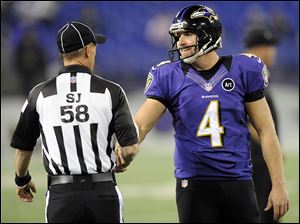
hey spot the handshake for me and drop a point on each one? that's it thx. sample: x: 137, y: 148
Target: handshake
x: 124, y: 156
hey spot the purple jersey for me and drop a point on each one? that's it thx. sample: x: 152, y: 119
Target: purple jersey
x: 209, y: 118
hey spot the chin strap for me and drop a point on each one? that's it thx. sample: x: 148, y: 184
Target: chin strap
x: 202, y: 51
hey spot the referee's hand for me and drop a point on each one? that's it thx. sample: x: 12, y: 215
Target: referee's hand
x: 119, y: 160
x: 124, y: 156
x: 25, y: 192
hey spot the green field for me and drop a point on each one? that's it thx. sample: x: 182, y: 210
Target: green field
x: 148, y: 189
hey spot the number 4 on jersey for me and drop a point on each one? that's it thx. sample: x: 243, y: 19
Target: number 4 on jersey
x: 210, y: 124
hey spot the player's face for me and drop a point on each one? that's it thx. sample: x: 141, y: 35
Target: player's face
x: 186, y: 43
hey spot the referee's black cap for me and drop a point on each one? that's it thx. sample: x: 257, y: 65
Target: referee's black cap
x: 75, y: 35
x: 260, y: 36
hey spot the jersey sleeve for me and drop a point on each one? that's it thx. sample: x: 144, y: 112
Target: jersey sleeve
x: 256, y: 78
x: 123, y: 123
x: 27, y: 130
x: 156, y: 85
x: 256, y: 75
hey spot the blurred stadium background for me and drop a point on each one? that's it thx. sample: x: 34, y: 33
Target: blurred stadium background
x: 137, y: 38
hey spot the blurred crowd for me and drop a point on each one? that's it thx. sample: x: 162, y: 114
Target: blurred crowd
x: 137, y: 34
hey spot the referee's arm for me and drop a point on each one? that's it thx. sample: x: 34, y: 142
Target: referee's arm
x: 24, y: 185
x: 125, y: 130
x: 22, y: 160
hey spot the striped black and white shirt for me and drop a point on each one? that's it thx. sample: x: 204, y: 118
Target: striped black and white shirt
x: 79, y: 116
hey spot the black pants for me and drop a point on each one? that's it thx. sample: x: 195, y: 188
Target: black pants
x: 84, y: 203
x: 205, y: 201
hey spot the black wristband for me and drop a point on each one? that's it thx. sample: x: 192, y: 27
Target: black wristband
x: 21, y: 181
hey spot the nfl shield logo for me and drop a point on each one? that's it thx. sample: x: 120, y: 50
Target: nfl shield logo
x: 184, y: 183
x: 208, y: 87
x: 73, y: 79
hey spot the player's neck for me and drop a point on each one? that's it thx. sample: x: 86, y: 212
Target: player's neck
x: 206, y: 62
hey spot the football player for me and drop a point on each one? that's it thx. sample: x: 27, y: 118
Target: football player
x: 210, y: 98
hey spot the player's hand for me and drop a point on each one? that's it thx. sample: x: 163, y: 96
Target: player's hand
x: 279, y: 200
x: 25, y: 192
x: 119, y: 160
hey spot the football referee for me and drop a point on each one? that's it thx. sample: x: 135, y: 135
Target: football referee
x: 79, y: 117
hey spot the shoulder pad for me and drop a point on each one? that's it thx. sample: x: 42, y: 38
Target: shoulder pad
x: 161, y: 64
x: 252, y: 56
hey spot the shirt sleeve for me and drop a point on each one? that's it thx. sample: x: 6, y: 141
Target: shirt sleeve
x: 123, y: 123
x: 156, y: 86
x: 254, y: 96
x: 256, y: 75
x: 27, y: 130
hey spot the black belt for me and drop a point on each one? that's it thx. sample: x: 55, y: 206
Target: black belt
x: 67, y: 179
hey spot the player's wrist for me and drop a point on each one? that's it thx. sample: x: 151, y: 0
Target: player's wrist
x: 22, y: 181
x: 279, y: 184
